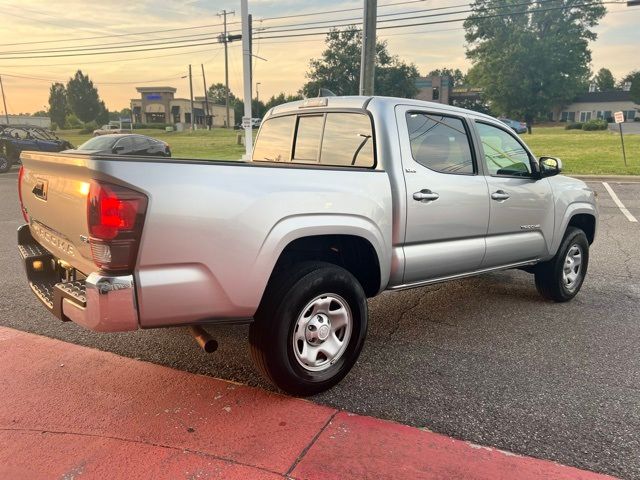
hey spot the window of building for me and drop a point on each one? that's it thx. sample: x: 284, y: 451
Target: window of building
x: 274, y: 142
x: 440, y: 143
x: 347, y: 140
x: 187, y: 117
x: 630, y: 115
x: 308, y: 136
x: 155, y: 117
x: 568, y: 116
x: 503, y: 154
x: 585, y: 116
x: 608, y: 116
x: 436, y: 93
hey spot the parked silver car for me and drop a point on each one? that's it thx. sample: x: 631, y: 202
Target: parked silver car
x: 345, y: 197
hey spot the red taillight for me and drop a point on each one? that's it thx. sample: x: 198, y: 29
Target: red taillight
x: 115, y: 216
x: 20, y: 177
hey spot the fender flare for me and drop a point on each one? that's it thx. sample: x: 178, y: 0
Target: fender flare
x: 572, y: 209
x: 295, y: 227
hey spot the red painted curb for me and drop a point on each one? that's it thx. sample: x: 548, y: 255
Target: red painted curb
x: 69, y: 411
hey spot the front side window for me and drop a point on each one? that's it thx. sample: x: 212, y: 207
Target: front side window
x: 348, y: 140
x: 274, y: 142
x: 440, y: 143
x: 503, y: 154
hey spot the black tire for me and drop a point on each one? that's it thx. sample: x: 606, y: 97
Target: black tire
x: 549, y: 275
x: 271, y: 333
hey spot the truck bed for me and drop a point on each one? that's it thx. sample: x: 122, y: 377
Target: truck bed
x: 213, y: 230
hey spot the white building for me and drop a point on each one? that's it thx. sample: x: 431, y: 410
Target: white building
x: 42, y: 122
x: 602, y: 105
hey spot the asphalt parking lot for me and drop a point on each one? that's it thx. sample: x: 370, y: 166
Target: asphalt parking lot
x: 483, y: 359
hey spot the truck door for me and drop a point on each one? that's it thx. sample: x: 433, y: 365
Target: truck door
x: 447, y: 198
x: 522, y: 208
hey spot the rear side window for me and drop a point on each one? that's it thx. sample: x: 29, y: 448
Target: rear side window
x: 334, y: 138
x: 440, y: 143
x: 274, y: 142
x: 347, y: 140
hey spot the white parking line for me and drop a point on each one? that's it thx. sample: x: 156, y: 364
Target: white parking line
x: 620, y: 205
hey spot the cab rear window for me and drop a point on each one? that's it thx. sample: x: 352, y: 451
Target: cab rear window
x: 333, y: 138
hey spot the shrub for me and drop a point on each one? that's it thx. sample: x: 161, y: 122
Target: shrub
x: 573, y: 126
x: 89, y: 127
x: 595, y: 124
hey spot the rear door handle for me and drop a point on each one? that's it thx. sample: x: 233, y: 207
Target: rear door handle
x: 500, y: 195
x: 425, y: 195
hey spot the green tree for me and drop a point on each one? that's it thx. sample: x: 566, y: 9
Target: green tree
x: 58, y: 108
x: 528, y: 59
x: 338, y: 69
x: 279, y: 99
x: 83, y: 97
x: 103, y: 115
x: 634, y: 78
x: 455, y: 74
x: 217, y: 94
x: 604, y: 80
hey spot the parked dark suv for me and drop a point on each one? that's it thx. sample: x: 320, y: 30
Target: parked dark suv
x: 124, y: 144
x: 14, y: 139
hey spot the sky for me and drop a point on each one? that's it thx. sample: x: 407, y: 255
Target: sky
x: 284, y: 60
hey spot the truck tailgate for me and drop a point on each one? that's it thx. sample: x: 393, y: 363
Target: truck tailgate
x: 54, y: 191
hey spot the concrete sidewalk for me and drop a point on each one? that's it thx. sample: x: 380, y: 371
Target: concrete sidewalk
x: 72, y: 412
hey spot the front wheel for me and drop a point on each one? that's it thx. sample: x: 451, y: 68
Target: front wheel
x: 561, y: 278
x: 310, y: 327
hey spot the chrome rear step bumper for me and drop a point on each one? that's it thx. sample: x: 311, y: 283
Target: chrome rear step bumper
x: 101, y: 302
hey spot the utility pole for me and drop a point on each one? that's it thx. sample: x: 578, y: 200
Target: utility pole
x: 257, y: 100
x: 4, y: 101
x: 225, y: 40
x: 368, y: 57
x: 206, y: 97
x: 246, y: 77
x: 191, y: 95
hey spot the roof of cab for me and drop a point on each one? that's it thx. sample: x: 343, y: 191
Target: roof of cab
x: 361, y: 102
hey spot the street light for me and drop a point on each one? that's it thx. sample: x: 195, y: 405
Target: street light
x: 257, y: 100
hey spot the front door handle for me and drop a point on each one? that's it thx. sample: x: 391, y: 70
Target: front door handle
x: 500, y: 195
x: 425, y: 195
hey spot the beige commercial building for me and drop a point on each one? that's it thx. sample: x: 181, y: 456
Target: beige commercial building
x: 159, y: 105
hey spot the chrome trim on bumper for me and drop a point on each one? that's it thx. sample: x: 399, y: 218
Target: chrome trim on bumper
x: 110, y: 304
x: 101, y: 302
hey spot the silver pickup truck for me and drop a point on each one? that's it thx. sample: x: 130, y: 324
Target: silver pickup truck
x: 345, y: 197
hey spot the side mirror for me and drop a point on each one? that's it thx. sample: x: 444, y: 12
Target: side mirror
x: 549, y: 166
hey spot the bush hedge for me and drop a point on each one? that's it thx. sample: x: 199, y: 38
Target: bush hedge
x: 595, y: 124
x: 573, y: 126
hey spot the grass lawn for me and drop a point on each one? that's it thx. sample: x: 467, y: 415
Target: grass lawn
x: 217, y: 144
x: 586, y: 152
x: 581, y: 152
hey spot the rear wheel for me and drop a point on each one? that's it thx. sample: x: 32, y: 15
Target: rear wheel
x: 561, y: 278
x: 310, y: 327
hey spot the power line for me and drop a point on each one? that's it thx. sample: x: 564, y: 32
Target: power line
x: 130, y: 59
x: 429, y: 15
x: 499, y: 15
x: 111, y: 53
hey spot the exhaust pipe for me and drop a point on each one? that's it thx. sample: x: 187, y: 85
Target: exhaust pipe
x: 203, y: 339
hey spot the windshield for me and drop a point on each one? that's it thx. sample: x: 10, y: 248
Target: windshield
x: 98, y: 143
